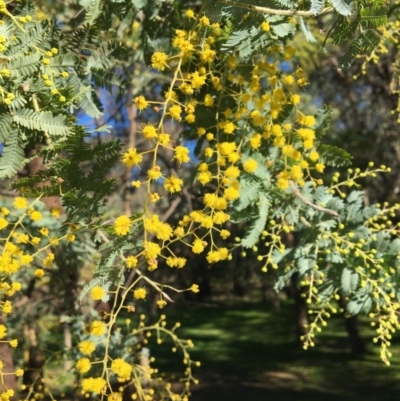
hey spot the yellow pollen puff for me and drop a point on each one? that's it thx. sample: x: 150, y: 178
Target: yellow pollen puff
x: 250, y: 166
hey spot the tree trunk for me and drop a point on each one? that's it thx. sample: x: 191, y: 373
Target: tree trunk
x: 351, y: 324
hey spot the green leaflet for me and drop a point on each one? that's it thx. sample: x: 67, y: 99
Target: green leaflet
x: 5, y: 127
x: 360, y: 302
x: 23, y: 67
x: 88, y: 105
x: 139, y: 3
x: 317, y: 6
x: 249, y: 192
x: 42, y: 121
x: 28, y: 41
x: 13, y: 156
x: 306, y: 265
x: 257, y: 225
x: 306, y: 30
x: 93, y: 10
x: 374, y: 16
x: 63, y: 62
x: 343, y: 7
x: 364, y: 44
x: 349, y: 280
x: 334, y: 156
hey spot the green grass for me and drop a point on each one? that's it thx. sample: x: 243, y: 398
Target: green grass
x: 249, y: 351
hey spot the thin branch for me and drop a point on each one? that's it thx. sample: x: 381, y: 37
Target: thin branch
x: 272, y: 11
x: 308, y: 203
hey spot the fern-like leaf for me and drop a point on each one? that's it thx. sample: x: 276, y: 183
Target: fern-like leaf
x: 42, y: 121
x: 334, y: 156
x: 13, y: 156
x: 365, y: 44
x: 257, y: 225
x: 343, y: 7
x: 374, y: 17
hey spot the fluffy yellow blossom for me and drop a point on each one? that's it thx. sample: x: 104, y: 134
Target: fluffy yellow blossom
x: 182, y: 154
x: 131, y: 158
x: 3, y: 223
x: 313, y: 156
x: 309, y: 121
x: 164, y: 139
x: 154, y: 173
x: 55, y: 212
x: 190, y: 13
x: 131, y: 262
x: 35, y: 215
x: 229, y: 127
x: 195, y: 288
x: 190, y: 118
x: 175, y: 112
x: 231, y: 193
x: 225, y: 234
x: 197, y: 80
x: 122, y: 225
x: 121, y: 368
x: 164, y: 231
x: 265, y: 26
x: 20, y: 203
x: 205, y: 177
x: 151, y: 250
x: 83, y: 365
x: 39, y: 273
x: 208, y: 55
x: 70, y: 237
x: 226, y: 148
x: 204, y: 21
x: 97, y: 328
x: 255, y: 141
x: 86, y: 347
x: 296, y: 172
x: 4, y: 211
x: 3, y: 331
x: 220, y: 218
x: 93, y: 385
x: 140, y: 293
x: 198, y: 246
x: 159, y: 60
x: 35, y: 240
x: 97, y: 293
x: 149, y: 131
x: 208, y: 152
x: 7, y: 308
x: 140, y: 102
x: 232, y: 172
x: 295, y: 99
x: 250, y: 166
x: 161, y: 303
x: 173, y: 184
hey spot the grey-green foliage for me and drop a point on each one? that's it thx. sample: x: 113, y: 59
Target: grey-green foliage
x: 344, y: 266
x: 354, y: 23
x: 44, y: 86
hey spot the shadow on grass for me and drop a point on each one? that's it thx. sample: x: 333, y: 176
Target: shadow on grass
x: 249, y: 352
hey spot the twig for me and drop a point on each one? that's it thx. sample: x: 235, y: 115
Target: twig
x: 308, y: 203
x: 272, y: 11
